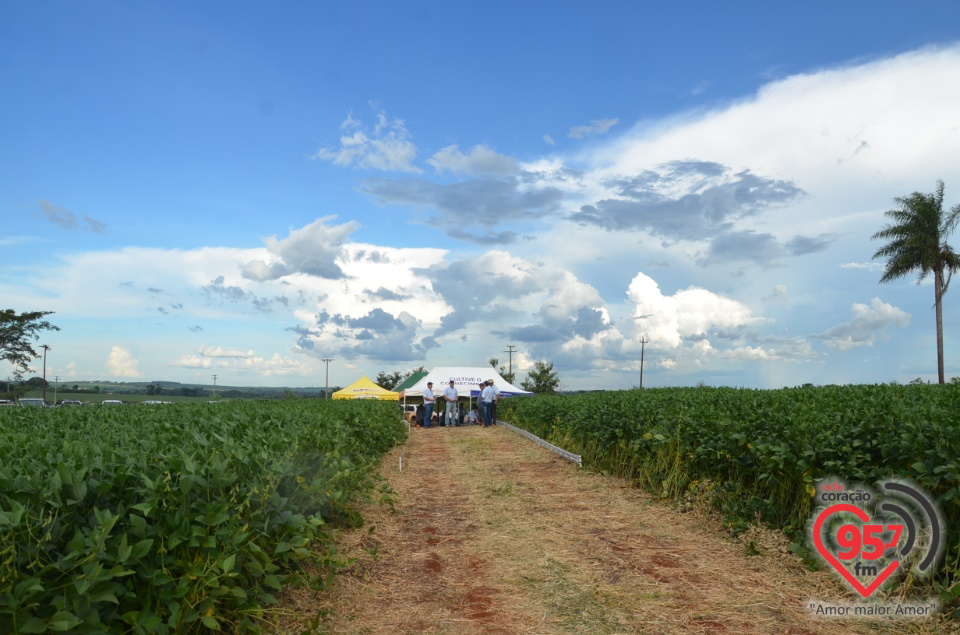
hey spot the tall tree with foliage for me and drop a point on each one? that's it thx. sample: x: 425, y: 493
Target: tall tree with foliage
x: 16, y: 333
x: 388, y: 380
x: 542, y: 379
x: 509, y: 376
x: 918, y: 244
x: 394, y: 379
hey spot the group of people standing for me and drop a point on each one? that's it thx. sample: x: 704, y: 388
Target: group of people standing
x: 454, y: 412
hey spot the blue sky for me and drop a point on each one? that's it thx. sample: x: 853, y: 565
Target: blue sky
x: 240, y: 189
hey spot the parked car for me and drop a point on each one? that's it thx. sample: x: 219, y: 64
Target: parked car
x: 111, y: 402
x: 71, y: 402
x: 7, y: 402
x: 32, y: 401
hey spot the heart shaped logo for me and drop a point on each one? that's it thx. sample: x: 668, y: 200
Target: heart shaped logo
x: 880, y: 578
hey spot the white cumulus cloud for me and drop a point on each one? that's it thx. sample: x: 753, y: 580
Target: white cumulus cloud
x: 868, y: 323
x: 479, y: 161
x: 312, y: 250
x: 668, y: 319
x: 387, y: 147
x: 122, y: 363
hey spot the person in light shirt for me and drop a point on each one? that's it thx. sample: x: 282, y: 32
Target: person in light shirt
x: 429, y: 401
x: 450, y: 396
x: 473, y: 417
x: 487, y: 399
x: 496, y: 399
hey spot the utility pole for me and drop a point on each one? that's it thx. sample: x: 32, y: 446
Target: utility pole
x: 56, y: 387
x: 214, y: 387
x: 326, y: 387
x: 511, y: 349
x: 643, y: 344
x: 45, y: 349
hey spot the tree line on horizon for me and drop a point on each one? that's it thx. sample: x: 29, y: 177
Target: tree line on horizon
x: 543, y: 379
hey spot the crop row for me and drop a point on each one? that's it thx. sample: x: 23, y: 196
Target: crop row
x: 178, y: 518
x: 758, y: 454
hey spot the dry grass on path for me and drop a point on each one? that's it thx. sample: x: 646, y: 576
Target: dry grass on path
x: 492, y: 534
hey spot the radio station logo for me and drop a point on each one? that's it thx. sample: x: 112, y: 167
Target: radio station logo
x: 872, y: 536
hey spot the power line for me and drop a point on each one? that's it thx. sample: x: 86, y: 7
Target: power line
x: 511, y: 349
x: 45, y: 349
x: 326, y: 389
x: 643, y: 344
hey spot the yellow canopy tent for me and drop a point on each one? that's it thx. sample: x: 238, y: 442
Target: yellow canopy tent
x: 363, y: 388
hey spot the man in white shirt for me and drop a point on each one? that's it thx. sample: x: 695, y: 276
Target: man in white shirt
x: 496, y: 399
x: 450, y: 407
x: 487, y: 398
x: 429, y: 401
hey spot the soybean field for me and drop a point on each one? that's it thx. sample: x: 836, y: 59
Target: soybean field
x: 759, y: 455
x: 178, y: 518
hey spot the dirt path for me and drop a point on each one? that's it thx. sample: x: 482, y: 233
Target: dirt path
x: 492, y: 534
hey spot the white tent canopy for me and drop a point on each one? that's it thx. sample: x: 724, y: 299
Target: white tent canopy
x: 466, y: 379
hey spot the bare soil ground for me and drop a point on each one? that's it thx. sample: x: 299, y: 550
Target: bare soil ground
x: 492, y: 534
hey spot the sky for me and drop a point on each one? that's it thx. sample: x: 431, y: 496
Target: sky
x: 243, y: 189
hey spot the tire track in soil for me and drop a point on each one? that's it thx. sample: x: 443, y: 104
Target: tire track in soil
x: 492, y: 534
x: 425, y: 576
x: 449, y: 586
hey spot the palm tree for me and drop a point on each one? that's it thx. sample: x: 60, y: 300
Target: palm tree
x: 918, y: 243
